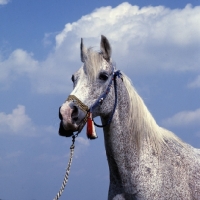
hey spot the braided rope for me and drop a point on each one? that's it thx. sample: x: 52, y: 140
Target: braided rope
x: 66, y: 174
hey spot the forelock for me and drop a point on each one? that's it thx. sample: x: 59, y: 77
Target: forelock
x: 93, y: 63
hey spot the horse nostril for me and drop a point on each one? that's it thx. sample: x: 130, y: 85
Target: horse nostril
x: 60, y: 116
x: 74, y: 114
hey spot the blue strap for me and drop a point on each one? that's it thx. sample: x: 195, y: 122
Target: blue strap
x: 103, y: 96
x: 100, y: 100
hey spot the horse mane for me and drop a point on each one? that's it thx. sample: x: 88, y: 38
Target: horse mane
x: 92, y: 59
x: 142, y: 123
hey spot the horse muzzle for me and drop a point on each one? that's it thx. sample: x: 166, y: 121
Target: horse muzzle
x: 72, y: 117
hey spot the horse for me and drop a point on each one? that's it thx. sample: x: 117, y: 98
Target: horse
x: 146, y: 161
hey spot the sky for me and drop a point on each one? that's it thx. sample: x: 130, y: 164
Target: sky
x: 156, y: 43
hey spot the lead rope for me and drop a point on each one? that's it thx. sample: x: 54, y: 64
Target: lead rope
x: 72, y: 147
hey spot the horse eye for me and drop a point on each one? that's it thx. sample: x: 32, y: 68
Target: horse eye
x: 103, y: 76
x: 72, y: 78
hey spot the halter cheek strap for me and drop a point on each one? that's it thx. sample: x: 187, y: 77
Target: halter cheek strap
x: 100, y: 100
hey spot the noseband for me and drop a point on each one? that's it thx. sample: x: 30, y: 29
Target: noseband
x: 99, y: 101
x: 81, y: 105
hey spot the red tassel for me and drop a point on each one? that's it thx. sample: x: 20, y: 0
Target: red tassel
x: 91, y: 133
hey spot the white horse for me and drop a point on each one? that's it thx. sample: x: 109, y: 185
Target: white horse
x: 146, y: 161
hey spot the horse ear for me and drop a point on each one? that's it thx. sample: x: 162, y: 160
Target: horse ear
x: 83, y: 51
x: 105, y: 48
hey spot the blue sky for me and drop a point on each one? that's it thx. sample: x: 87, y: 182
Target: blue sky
x: 156, y: 43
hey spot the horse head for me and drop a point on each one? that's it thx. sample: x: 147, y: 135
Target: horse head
x: 92, y: 84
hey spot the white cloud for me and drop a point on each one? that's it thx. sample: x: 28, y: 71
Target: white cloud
x: 14, y: 154
x: 195, y: 83
x: 184, y: 118
x: 10, y: 158
x: 81, y: 146
x: 83, y: 141
x: 16, y: 123
x: 3, y: 2
x: 148, y: 37
x: 143, y: 39
x: 18, y: 64
x: 50, y: 158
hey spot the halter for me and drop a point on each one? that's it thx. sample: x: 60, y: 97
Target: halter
x: 99, y: 101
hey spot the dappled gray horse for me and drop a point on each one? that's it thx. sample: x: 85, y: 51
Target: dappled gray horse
x: 145, y: 161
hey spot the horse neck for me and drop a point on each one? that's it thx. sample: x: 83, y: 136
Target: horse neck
x: 130, y: 129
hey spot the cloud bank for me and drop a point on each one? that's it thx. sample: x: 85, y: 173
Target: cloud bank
x: 4, y: 2
x: 16, y: 123
x: 184, y: 118
x: 144, y: 40
x: 195, y: 83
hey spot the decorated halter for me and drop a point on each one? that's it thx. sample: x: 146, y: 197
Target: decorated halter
x: 91, y: 133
